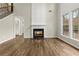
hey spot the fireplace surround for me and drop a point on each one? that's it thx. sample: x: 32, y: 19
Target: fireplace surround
x: 38, y: 33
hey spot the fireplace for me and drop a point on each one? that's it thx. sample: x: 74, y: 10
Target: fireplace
x: 38, y: 33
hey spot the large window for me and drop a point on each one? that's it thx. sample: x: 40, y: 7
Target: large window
x: 71, y: 24
x: 75, y: 23
x: 66, y: 24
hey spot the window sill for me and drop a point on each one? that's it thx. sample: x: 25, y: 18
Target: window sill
x: 69, y: 37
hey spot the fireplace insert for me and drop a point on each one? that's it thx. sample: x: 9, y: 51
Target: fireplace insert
x: 38, y: 33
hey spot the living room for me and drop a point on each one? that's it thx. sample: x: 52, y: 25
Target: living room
x: 39, y: 29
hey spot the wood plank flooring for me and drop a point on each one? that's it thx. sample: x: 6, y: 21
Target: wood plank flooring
x: 29, y: 47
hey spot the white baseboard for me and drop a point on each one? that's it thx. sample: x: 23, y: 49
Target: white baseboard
x: 7, y: 39
x: 50, y: 37
x: 44, y: 37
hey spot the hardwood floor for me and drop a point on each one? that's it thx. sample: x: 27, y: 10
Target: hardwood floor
x: 28, y: 47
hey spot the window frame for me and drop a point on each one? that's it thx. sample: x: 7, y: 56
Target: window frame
x: 70, y: 25
x: 72, y: 21
x: 63, y: 24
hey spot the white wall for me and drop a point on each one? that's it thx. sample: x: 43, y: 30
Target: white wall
x: 51, y: 21
x: 9, y: 25
x: 23, y: 11
x: 65, y: 8
x: 7, y: 28
x: 42, y: 18
x: 38, y: 15
x: 18, y: 25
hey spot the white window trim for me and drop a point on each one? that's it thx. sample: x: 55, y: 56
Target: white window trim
x: 70, y: 27
x: 61, y: 21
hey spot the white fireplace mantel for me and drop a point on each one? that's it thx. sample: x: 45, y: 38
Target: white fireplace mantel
x: 37, y: 27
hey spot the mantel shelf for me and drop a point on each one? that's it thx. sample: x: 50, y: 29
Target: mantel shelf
x: 37, y: 25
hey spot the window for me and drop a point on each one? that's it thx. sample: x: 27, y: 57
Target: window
x: 5, y: 9
x: 75, y: 23
x: 66, y: 25
x: 71, y: 24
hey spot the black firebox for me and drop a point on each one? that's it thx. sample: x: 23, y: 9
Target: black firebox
x: 38, y: 33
